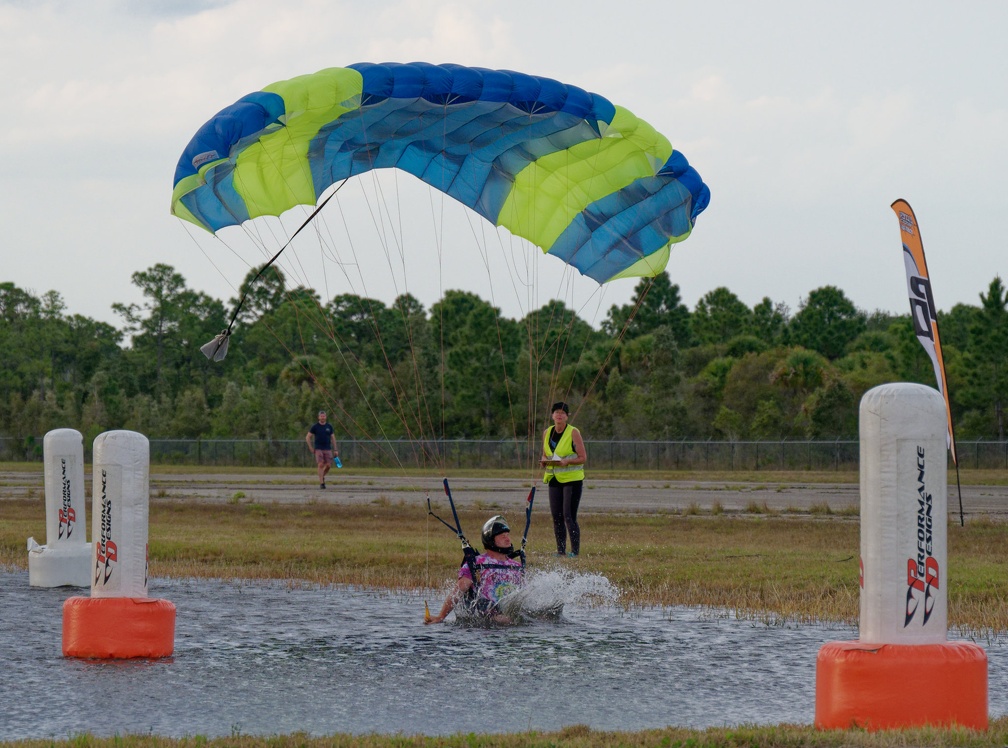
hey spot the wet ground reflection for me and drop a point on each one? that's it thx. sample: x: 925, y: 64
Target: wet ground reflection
x: 265, y: 658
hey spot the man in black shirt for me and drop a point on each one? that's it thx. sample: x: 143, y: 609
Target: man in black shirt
x: 320, y: 440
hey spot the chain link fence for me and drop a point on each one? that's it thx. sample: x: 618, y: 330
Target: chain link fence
x: 508, y: 453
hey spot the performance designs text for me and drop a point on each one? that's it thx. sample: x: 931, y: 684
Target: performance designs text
x: 922, y: 571
x: 67, y: 514
x: 106, y: 554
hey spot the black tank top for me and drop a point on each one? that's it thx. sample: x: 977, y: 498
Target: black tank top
x: 554, y: 439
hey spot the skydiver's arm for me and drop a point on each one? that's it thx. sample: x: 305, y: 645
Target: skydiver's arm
x: 463, y: 585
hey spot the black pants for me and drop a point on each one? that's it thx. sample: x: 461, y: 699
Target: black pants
x: 564, y: 500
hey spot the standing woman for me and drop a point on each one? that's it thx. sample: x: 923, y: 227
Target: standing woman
x: 564, y: 457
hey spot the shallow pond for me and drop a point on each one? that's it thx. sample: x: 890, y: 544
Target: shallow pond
x: 268, y: 658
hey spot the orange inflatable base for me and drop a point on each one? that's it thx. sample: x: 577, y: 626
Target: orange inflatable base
x: 117, y: 628
x: 890, y: 686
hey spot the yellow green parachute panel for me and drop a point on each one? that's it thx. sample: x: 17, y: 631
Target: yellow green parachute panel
x: 583, y: 179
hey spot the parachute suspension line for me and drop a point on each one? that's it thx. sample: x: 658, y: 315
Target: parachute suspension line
x: 422, y: 421
x: 575, y: 311
x: 199, y: 246
x: 323, y: 322
x: 436, y: 421
x: 342, y: 347
x: 560, y: 355
x: 538, y: 330
x: 483, y: 245
x: 327, y: 396
x: 415, y: 424
x: 568, y: 326
x: 400, y: 408
x: 257, y: 240
x: 427, y: 574
x: 534, y: 333
x: 503, y: 358
x: 523, y: 277
x: 281, y: 170
x: 564, y: 328
x: 370, y: 313
x: 411, y: 419
x: 216, y: 349
x: 252, y: 230
x: 380, y: 226
x: 619, y: 337
x: 438, y: 222
x: 422, y: 414
x: 568, y: 277
x: 408, y: 417
x: 438, y: 427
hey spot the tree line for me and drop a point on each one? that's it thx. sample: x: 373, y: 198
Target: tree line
x: 460, y: 369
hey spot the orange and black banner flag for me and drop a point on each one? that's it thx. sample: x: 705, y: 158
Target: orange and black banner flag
x: 922, y: 307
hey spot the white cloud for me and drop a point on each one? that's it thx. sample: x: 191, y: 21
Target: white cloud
x: 805, y: 120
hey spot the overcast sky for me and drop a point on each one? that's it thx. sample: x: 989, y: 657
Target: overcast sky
x: 806, y: 119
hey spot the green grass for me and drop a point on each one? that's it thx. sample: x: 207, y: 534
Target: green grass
x: 575, y: 736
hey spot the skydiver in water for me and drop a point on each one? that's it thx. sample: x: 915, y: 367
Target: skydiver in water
x: 484, y: 579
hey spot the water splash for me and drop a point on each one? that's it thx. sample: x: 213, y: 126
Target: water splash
x: 547, y: 592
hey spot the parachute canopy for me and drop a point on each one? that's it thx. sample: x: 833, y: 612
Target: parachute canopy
x: 581, y: 178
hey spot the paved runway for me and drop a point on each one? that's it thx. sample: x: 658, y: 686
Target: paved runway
x: 634, y: 495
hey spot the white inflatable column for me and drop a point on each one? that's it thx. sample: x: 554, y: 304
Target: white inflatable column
x: 119, y: 620
x: 902, y: 671
x: 904, y: 516
x: 64, y: 559
x: 120, y: 498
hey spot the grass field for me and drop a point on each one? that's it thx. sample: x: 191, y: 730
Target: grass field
x: 576, y: 736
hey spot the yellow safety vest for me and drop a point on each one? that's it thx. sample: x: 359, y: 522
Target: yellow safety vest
x: 564, y: 448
